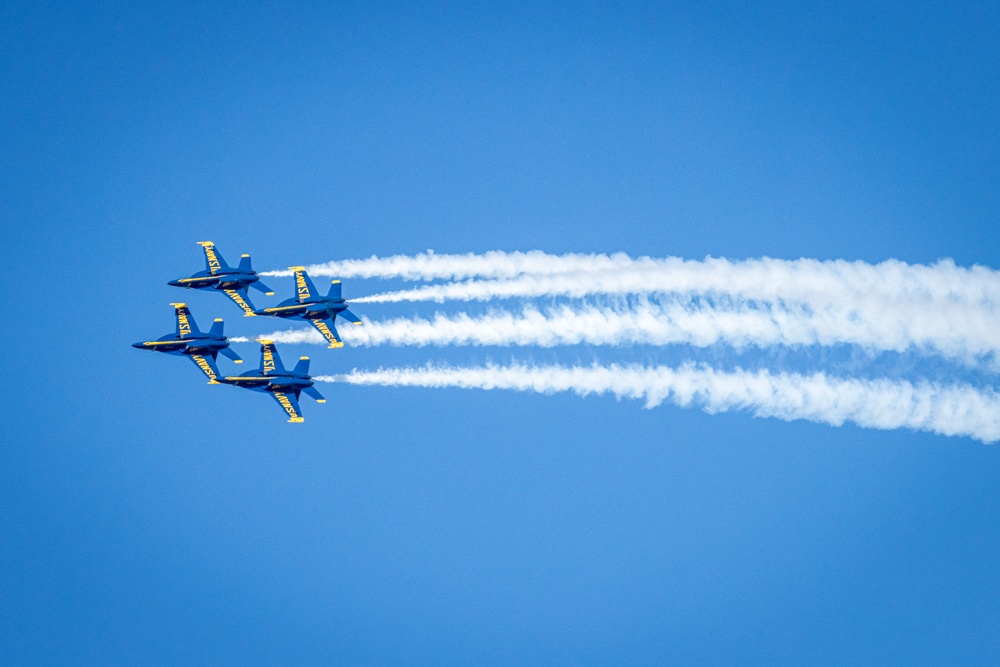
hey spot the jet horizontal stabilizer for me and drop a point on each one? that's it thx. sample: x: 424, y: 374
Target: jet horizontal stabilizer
x: 350, y: 317
x: 261, y: 287
x: 314, y: 393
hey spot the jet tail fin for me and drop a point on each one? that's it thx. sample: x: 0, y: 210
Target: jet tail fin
x: 245, y: 263
x: 302, y: 366
x: 185, y: 321
x: 216, y: 329
x: 336, y: 291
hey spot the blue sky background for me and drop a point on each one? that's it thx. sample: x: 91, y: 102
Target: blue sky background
x: 148, y: 518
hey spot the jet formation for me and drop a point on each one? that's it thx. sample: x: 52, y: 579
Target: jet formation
x: 271, y: 378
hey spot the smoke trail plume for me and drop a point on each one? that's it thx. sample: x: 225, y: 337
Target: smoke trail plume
x: 804, y: 280
x: 535, y: 273
x: 892, y: 278
x: 957, y: 410
x: 493, y: 264
x: 968, y: 338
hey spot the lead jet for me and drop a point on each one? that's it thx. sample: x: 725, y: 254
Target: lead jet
x: 308, y: 305
x: 188, y: 341
x: 283, y: 386
x: 220, y: 276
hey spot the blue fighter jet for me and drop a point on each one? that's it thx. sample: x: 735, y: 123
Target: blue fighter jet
x: 283, y: 386
x: 310, y: 306
x: 220, y: 276
x: 188, y: 341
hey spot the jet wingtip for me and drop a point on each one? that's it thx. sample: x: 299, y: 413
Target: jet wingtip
x: 205, y: 243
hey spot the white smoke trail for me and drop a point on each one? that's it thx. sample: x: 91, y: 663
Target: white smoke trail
x: 957, y: 410
x: 967, y: 338
x: 805, y: 280
x: 618, y: 273
x: 493, y: 264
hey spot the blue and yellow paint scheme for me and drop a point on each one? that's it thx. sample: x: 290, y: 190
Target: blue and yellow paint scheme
x: 282, y: 385
x: 219, y: 276
x: 202, y: 348
x: 308, y: 305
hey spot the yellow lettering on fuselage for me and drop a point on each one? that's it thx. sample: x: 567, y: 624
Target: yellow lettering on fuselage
x: 239, y: 300
x: 205, y: 367
x: 213, y: 261
x: 301, y: 287
x: 287, y: 405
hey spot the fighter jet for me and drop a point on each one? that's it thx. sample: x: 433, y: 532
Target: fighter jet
x: 220, y: 276
x: 308, y: 305
x: 187, y: 340
x: 283, y: 386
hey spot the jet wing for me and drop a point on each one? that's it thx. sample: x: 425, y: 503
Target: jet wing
x: 206, y: 365
x: 290, y: 404
x: 329, y: 331
x: 240, y: 298
x: 213, y: 260
x: 304, y: 288
x: 185, y: 322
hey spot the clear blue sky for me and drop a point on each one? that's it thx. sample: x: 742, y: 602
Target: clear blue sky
x: 148, y: 518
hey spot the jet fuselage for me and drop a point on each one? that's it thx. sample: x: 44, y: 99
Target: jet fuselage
x: 315, y: 309
x: 191, y: 344
x: 221, y: 280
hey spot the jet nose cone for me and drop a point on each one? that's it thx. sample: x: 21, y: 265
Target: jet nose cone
x: 138, y: 345
x: 175, y: 283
